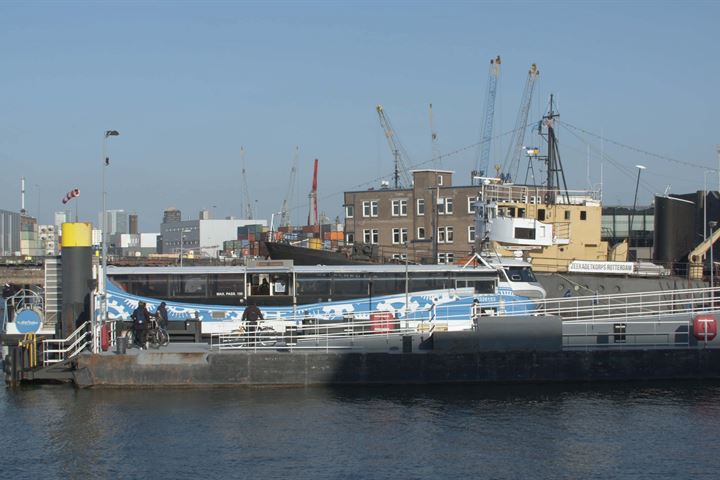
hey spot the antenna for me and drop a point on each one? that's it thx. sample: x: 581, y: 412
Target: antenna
x: 22, y: 195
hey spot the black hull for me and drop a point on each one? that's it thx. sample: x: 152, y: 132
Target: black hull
x: 309, y: 256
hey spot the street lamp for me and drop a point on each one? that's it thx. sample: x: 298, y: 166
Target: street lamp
x: 712, y: 224
x: 632, y: 213
x: 183, y: 231
x: 103, y: 228
x: 272, y: 223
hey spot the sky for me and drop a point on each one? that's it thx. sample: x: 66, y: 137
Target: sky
x: 187, y: 84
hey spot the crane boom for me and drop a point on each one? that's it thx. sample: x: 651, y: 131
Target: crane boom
x: 396, y: 148
x: 512, y: 160
x: 313, y: 210
x: 285, y: 210
x: 483, y: 162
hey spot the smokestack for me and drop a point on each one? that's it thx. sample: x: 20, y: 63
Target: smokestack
x: 22, y: 195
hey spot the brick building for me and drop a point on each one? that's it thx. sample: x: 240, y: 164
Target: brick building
x: 401, y: 221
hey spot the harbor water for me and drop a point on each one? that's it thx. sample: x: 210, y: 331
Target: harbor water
x: 625, y: 430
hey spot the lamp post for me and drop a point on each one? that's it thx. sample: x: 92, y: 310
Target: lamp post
x: 272, y: 225
x: 705, y: 192
x: 632, y: 214
x: 712, y: 224
x: 407, y: 285
x: 183, y: 231
x: 103, y: 227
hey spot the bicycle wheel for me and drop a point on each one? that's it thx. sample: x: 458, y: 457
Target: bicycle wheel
x: 163, y: 337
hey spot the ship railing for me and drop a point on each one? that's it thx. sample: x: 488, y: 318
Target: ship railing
x: 59, y: 350
x: 327, y: 332
x: 612, y: 306
x: 672, y: 331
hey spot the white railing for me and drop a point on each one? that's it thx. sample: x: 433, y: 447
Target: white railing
x: 59, y: 350
x: 312, y: 333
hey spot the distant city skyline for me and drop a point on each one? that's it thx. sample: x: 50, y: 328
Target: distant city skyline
x: 187, y: 84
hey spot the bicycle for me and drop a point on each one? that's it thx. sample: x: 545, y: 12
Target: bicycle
x: 156, y: 335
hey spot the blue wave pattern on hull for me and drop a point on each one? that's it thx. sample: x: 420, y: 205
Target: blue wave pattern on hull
x: 450, y: 305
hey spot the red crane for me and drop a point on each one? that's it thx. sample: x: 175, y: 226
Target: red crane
x: 313, y: 211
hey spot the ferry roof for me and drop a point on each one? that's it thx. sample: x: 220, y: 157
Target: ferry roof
x: 390, y: 268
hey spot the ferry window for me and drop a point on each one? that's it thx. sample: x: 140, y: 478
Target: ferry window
x: 521, y: 213
x: 428, y: 281
x: 227, y: 285
x: 188, y: 286
x: 520, y: 274
x: 350, y: 284
x: 314, y: 284
x: 567, y: 214
x: 511, y: 211
x: 388, y: 285
x: 541, y: 214
x: 525, y: 233
x: 583, y: 215
x: 155, y: 286
x: 280, y: 284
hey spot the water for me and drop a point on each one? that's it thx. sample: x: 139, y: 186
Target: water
x: 630, y: 430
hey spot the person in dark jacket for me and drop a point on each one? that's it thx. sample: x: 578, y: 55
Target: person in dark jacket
x: 252, y: 315
x: 161, y: 314
x: 140, y: 317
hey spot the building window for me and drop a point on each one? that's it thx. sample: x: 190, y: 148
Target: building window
x: 349, y: 238
x: 371, y: 236
x: 399, y: 256
x: 399, y: 236
x: 445, y: 258
x: 471, y: 204
x: 445, y: 206
x: 349, y: 211
x: 471, y: 234
x: 420, y: 233
x: 440, y: 179
x: 370, y: 208
x: 567, y: 214
x: 583, y: 215
x: 445, y: 235
x: 399, y: 208
x: 421, y: 206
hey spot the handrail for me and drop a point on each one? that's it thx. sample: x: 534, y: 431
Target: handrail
x: 80, y: 339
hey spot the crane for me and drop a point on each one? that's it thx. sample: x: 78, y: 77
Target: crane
x: 483, y: 161
x: 396, y: 148
x: 246, y: 202
x: 285, y: 210
x: 436, y: 161
x: 512, y: 160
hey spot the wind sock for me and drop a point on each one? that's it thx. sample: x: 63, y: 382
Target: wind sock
x: 75, y: 192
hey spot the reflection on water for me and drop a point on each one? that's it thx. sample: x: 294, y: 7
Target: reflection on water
x: 614, y: 430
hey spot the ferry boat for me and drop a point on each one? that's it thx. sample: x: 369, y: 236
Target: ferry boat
x: 218, y: 296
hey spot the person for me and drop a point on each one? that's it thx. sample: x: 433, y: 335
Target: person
x: 252, y: 315
x: 264, y: 287
x: 475, y: 312
x: 161, y: 314
x: 140, y: 318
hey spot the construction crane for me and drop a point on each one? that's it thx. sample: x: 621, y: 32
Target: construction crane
x: 483, y: 159
x: 436, y: 159
x: 512, y: 160
x: 396, y: 148
x: 285, y: 210
x: 246, y: 201
x: 313, y: 209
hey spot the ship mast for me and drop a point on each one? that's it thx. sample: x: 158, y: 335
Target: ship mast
x: 555, y: 174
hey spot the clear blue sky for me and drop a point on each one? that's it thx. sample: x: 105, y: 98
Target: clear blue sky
x: 188, y: 83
